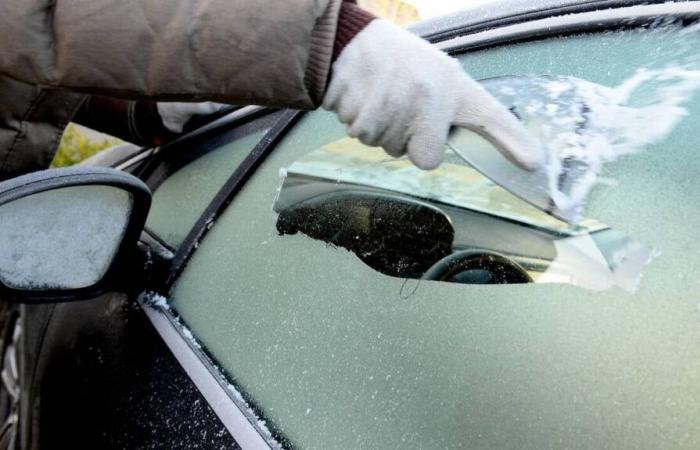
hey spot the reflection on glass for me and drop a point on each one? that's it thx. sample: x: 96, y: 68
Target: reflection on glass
x: 451, y: 224
x: 63, y: 238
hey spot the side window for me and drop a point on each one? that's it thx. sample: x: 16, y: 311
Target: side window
x: 190, y: 185
x: 308, y: 291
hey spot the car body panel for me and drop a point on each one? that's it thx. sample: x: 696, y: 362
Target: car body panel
x: 502, y: 13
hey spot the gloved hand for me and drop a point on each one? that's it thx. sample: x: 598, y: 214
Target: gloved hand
x: 395, y: 90
x: 175, y: 114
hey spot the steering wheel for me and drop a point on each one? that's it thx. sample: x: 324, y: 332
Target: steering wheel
x: 477, y: 267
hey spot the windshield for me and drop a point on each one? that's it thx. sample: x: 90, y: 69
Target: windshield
x: 327, y: 296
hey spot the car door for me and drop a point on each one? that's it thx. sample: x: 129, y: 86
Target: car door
x: 95, y: 374
x: 320, y: 346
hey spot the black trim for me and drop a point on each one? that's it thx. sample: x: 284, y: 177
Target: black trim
x: 169, y: 158
x: 457, y: 30
x: 82, y: 176
x: 196, y: 126
x: 540, y: 34
x: 225, y: 195
x: 152, y: 239
x: 200, y: 122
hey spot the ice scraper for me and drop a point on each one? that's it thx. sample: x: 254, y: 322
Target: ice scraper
x: 554, y: 112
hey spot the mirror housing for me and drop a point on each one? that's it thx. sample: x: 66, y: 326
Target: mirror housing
x: 66, y: 233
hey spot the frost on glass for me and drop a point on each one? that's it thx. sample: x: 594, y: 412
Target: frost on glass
x: 334, y: 354
x: 181, y: 199
x: 63, y: 238
x: 157, y: 301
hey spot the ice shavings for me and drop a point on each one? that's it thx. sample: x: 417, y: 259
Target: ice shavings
x: 585, y: 126
x: 248, y: 411
x: 156, y: 301
x: 580, y: 261
x: 188, y: 335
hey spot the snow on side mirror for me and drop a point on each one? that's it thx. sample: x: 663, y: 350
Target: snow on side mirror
x: 65, y: 233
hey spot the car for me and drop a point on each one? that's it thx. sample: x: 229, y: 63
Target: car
x: 270, y: 283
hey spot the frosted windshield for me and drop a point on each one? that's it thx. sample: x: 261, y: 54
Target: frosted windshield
x: 335, y: 354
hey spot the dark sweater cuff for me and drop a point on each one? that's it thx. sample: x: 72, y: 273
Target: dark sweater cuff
x: 137, y: 122
x: 351, y: 20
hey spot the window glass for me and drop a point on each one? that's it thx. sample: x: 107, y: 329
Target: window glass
x: 337, y: 348
x: 183, y: 196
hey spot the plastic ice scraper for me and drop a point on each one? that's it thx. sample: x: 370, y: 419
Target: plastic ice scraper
x: 553, y: 111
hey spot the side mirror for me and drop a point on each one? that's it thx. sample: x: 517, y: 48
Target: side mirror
x: 64, y: 233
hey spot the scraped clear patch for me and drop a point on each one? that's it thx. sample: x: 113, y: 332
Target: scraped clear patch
x: 403, y: 221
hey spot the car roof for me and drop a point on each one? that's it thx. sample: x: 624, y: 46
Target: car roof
x: 507, y: 12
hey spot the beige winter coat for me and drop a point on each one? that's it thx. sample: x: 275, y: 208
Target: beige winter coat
x: 52, y: 52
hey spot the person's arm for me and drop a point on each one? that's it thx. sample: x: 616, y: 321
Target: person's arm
x: 146, y: 122
x: 232, y: 51
x: 136, y: 121
x: 390, y: 87
x: 141, y: 122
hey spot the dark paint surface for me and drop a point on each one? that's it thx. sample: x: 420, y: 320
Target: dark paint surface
x: 106, y: 380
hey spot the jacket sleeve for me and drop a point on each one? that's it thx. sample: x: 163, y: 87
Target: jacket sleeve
x: 272, y: 52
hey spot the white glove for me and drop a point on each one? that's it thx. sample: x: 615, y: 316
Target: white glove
x: 395, y: 90
x: 175, y: 114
